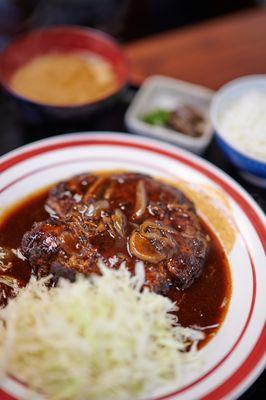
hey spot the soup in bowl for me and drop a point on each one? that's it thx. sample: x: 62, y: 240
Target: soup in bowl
x: 63, y: 72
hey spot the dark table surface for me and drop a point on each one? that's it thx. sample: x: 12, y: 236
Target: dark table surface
x: 15, y: 132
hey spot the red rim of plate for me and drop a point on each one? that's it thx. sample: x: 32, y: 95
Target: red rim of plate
x: 258, y: 351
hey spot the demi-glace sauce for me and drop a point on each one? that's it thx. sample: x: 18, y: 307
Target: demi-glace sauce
x: 203, y: 305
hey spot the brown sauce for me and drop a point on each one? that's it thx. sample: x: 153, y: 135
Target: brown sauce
x: 203, y: 305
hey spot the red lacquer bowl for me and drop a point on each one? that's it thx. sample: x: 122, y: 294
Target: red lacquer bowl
x: 65, y: 39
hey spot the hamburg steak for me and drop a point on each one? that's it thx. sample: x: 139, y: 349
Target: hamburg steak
x: 119, y: 217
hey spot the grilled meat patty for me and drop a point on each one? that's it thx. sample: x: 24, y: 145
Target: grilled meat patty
x: 119, y: 218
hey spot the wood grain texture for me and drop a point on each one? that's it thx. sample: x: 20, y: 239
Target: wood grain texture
x: 211, y: 53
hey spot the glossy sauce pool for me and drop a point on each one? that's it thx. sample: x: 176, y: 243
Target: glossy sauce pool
x: 203, y: 305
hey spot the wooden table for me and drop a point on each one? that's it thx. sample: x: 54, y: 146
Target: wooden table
x: 210, y: 53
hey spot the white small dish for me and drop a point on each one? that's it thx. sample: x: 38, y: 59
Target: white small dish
x: 168, y: 93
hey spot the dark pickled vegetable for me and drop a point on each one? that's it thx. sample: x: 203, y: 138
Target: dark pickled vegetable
x: 185, y: 119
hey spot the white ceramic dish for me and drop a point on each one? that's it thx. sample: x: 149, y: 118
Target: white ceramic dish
x: 169, y: 93
x: 233, y: 359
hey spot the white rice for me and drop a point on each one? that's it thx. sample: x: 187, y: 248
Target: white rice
x: 244, y: 124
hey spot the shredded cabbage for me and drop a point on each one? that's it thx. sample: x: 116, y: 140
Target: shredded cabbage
x: 94, y: 339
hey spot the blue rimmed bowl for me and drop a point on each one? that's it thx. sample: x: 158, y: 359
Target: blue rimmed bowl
x: 250, y: 167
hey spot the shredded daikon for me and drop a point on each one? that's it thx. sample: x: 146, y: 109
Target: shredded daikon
x: 97, y: 338
x: 244, y: 123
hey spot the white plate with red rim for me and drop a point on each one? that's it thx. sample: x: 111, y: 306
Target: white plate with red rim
x: 235, y: 357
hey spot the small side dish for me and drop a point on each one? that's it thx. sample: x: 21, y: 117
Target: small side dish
x: 172, y: 110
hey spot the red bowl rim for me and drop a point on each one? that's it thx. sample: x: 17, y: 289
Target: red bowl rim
x: 103, y: 36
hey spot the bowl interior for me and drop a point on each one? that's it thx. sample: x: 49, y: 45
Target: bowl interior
x: 224, y: 99
x: 62, y: 40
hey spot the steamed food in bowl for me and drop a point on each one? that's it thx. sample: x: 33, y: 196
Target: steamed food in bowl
x: 238, y: 113
x: 65, y: 79
x: 244, y: 123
